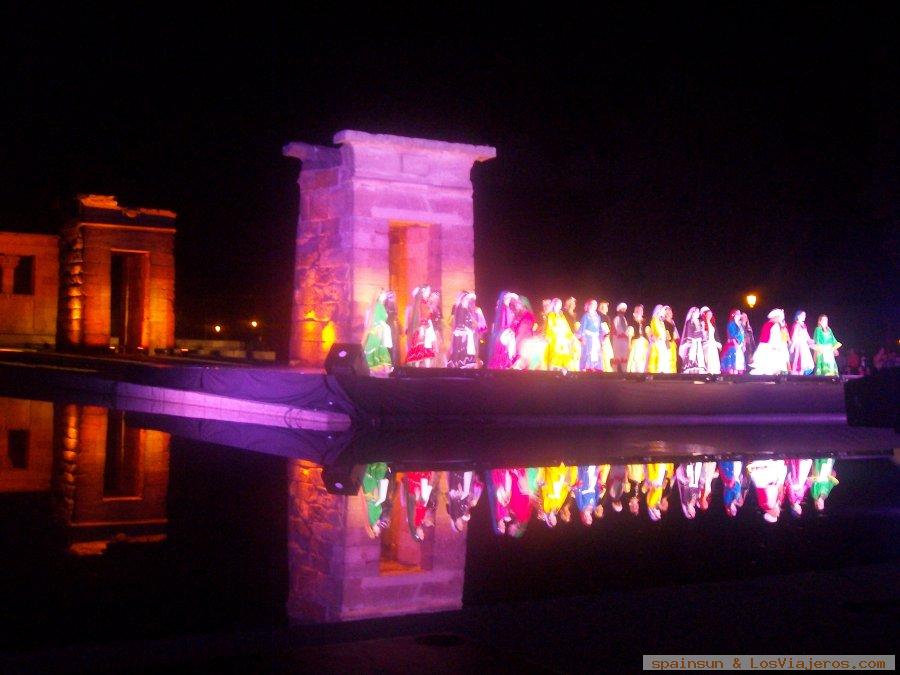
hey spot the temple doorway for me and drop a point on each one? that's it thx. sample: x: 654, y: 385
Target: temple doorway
x: 128, y: 290
x: 408, y: 256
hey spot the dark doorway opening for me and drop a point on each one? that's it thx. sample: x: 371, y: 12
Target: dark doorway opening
x: 128, y: 274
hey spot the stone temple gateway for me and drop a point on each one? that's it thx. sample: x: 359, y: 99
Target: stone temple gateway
x: 379, y: 212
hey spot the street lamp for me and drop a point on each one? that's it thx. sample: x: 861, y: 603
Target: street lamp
x: 254, y: 323
x: 751, y: 300
x: 217, y: 328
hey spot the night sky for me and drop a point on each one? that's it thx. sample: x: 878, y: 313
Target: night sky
x: 681, y: 159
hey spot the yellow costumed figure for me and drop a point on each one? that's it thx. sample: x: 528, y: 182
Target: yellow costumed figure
x: 560, y: 339
x: 555, y: 486
x: 659, y: 477
x: 660, y: 360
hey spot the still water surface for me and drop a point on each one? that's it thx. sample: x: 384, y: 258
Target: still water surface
x: 118, y: 526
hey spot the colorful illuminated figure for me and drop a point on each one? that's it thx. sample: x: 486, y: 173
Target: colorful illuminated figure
x: 658, y: 481
x: 503, y: 336
x: 420, y: 332
x: 379, y: 341
x: 672, y: 338
x: 771, y: 357
x: 420, y: 501
x: 620, y: 339
x: 531, y: 347
x: 555, y: 485
x: 606, y: 348
x: 590, y: 490
x: 687, y: 476
x: 734, y: 360
x: 589, y: 334
x: 711, y: 346
x: 768, y: 476
x: 639, y: 347
x: 635, y: 475
x: 660, y: 359
x: 708, y: 472
x: 463, y: 492
x: 468, y: 326
x: 826, y: 348
x: 374, y: 489
x: 560, y: 338
x: 800, y: 351
x: 691, y: 348
x: 797, y: 483
x: 823, y: 479
x: 510, y: 499
x: 618, y: 476
x: 572, y: 320
x: 735, y: 485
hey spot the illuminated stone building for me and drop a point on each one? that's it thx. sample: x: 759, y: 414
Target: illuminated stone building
x: 118, y: 277
x: 29, y: 285
x: 108, y: 280
x: 379, y: 212
x: 106, y: 479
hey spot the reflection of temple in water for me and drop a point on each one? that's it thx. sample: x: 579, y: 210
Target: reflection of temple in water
x: 338, y: 572
x: 107, y: 480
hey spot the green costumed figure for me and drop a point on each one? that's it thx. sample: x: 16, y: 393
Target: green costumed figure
x: 375, y: 483
x: 379, y: 340
x: 826, y: 348
x: 822, y: 480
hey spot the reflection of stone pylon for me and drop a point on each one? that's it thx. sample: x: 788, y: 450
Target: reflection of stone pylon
x: 65, y: 455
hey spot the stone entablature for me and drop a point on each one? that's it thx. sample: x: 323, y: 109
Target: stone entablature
x: 28, y: 315
x: 379, y: 212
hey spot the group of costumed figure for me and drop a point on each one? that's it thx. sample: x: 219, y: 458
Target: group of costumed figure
x: 418, y: 491
x: 424, y: 332
x: 626, y: 342
x: 549, y: 494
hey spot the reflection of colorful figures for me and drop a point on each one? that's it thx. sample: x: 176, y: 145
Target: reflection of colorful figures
x: 688, y: 478
x: 735, y: 485
x: 374, y: 491
x: 823, y: 479
x: 634, y: 484
x: 768, y: 477
x: 589, y: 491
x: 510, y: 500
x: 463, y: 492
x: 658, y: 480
x: 708, y: 471
x: 797, y: 483
x: 616, y: 486
x: 555, y: 485
x: 420, y: 501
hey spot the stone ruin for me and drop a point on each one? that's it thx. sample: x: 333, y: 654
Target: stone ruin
x: 379, y: 212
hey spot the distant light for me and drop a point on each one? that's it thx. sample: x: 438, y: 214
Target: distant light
x: 751, y: 301
x: 217, y: 328
x: 254, y: 323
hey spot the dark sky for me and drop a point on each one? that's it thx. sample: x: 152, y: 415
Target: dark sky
x: 681, y: 159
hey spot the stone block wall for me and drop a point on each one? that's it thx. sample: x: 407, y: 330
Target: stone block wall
x: 35, y: 417
x: 336, y: 569
x: 350, y: 198
x: 29, y: 319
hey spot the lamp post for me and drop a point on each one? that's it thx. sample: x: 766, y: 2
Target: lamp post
x: 750, y: 300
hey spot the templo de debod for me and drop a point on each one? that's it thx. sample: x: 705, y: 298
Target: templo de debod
x: 379, y: 212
